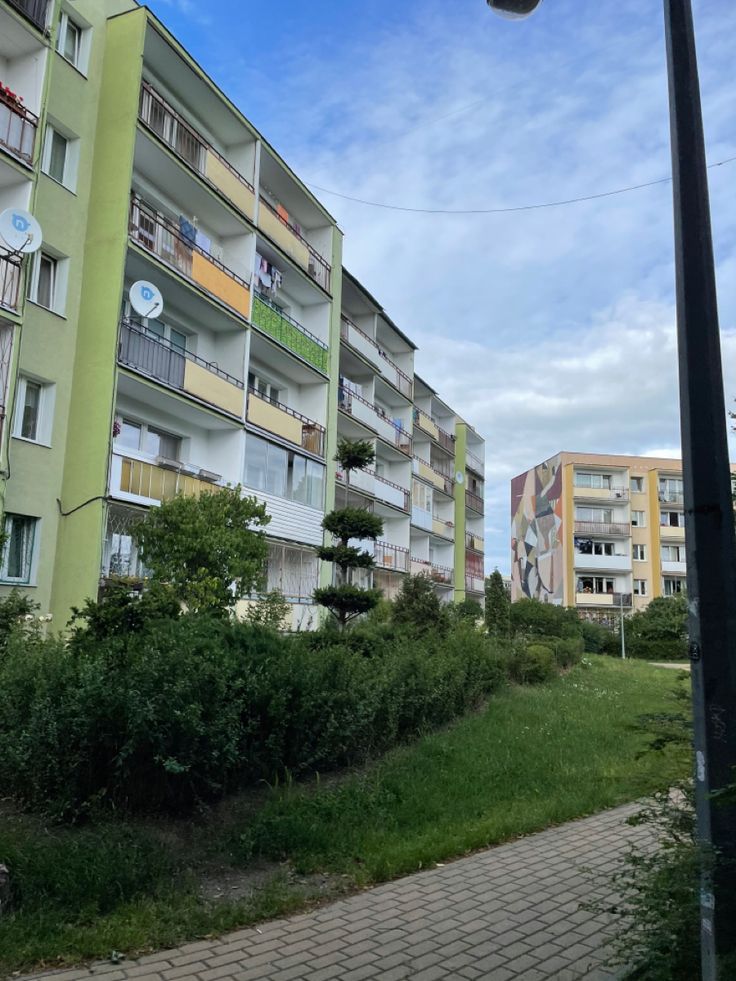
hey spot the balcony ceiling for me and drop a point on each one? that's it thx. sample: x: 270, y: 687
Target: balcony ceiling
x: 280, y: 183
x: 167, y: 403
x: 388, y: 395
x: 355, y: 368
x: 179, y: 184
x: 182, y: 303
x: 271, y: 355
x: 12, y: 177
x: 15, y: 39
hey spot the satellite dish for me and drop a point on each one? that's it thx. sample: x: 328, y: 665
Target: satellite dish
x: 20, y: 231
x: 459, y: 477
x: 146, y: 299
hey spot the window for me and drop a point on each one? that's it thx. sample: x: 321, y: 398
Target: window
x: 671, y: 489
x: 594, y: 515
x: 637, y: 485
x: 640, y: 587
x: 148, y: 439
x: 33, y: 410
x: 638, y: 519
x: 673, y: 553
x: 421, y: 496
x: 639, y: 553
x: 165, y: 333
x: 17, y: 556
x: 264, y: 388
x: 673, y: 587
x: 55, y: 154
x: 595, y: 584
x: 283, y: 473
x: 47, y: 281
x: 293, y: 571
x: 672, y: 519
x: 72, y: 42
x: 585, y: 546
x: 599, y: 481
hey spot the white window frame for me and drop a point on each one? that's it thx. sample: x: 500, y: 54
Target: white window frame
x: 637, y: 485
x: 671, y: 581
x: 45, y: 419
x: 144, y: 428
x: 71, y: 156
x: 275, y: 392
x: 642, y: 550
x: 640, y: 587
x: 32, y: 552
x: 59, y: 280
x: 668, y: 523
x: 639, y: 523
x: 593, y: 481
x: 81, y: 59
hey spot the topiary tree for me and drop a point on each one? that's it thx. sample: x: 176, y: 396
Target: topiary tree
x: 207, y: 548
x: 346, y: 600
x: 497, y: 605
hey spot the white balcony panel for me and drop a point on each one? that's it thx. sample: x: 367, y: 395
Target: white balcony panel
x: 385, y: 429
x: 359, y: 480
x: 421, y: 518
x: 364, y: 413
x: 674, y: 568
x: 389, y: 494
x: 607, y: 563
x: 291, y: 520
x: 361, y: 343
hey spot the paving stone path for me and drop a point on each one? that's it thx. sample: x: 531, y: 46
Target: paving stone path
x: 508, y: 912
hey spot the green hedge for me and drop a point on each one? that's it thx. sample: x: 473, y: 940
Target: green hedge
x: 191, y: 709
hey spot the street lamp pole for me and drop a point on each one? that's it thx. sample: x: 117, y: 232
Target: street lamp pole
x: 709, y: 518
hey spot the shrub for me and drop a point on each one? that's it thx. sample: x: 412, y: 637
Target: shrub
x: 120, y: 611
x: 532, y: 664
x: 14, y: 611
x: 597, y: 639
x: 663, y: 649
x: 533, y: 618
x: 498, y: 605
x: 566, y: 651
x: 418, y: 607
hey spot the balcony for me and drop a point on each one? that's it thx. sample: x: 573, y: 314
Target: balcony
x: 474, y: 583
x: 151, y: 483
x: 474, y: 542
x: 282, y: 421
x: 163, y: 238
x: 614, y: 528
x: 365, y: 345
x: 474, y: 501
x: 601, y: 493
x: 441, y: 574
x: 673, y: 533
x: 604, y: 563
x: 181, y: 370
x: 672, y: 497
x: 373, y: 417
x: 442, y: 481
x: 670, y: 568
x: 442, y: 528
x: 10, y: 268
x: 193, y: 150
x: 360, y: 480
x: 603, y: 599
x: 474, y: 463
x: 429, y: 426
x: 18, y: 127
x: 420, y: 567
x: 290, y: 240
x: 391, y: 557
x: 33, y: 10
x: 289, y: 333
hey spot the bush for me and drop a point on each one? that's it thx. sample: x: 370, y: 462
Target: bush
x: 532, y: 664
x: 418, y: 608
x: 533, y: 618
x: 566, y: 651
x: 663, y: 649
x: 597, y: 639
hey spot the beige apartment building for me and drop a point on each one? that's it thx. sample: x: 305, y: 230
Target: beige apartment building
x: 598, y: 532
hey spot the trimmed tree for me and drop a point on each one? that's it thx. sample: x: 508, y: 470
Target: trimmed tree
x: 497, y: 605
x: 345, y: 600
x: 208, y: 549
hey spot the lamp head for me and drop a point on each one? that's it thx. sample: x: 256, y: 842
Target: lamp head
x: 513, y: 9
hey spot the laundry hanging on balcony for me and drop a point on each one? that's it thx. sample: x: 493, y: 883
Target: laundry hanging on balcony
x: 268, y: 278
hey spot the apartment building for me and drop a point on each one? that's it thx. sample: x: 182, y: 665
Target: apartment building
x: 140, y: 170
x: 598, y: 532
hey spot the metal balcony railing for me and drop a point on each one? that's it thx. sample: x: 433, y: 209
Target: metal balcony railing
x: 601, y: 528
x: 404, y: 382
x: 616, y: 599
x: 312, y: 434
x: 441, y: 574
x: 388, y: 556
x: 181, y: 137
x: 474, y: 463
x: 474, y: 501
x: 10, y: 268
x: 445, y: 440
x: 18, y: 127
x: 474, y: 541
x: 447, y: 478
x: 602, y: 493
x: 345, y: 399
x: 289, y: 332
x: 34, y: 10
x: 671, y: 497
x: 318, y: 267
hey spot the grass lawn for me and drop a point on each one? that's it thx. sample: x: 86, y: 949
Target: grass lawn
x: 534, y: 757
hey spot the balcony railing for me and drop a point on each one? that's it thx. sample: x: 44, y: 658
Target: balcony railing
x: 671, y: 497
x: 18, y: 127
x: 163, y: 238
x: 158, y: 481
x: 170, y: 127
x: 475, y: 464
x: 443, y: 528
x: 183, y: 370
x: 33, y: 10
x: 429, y: 426
x: 438, y: 478
x: 369, y: 414
x: 474, y: 541
x: 602, y: 493
x: 9, y: 282
x: 289, y: 332
x: 603, y: 599
x: 365, y: 344
x: 388, y: 556
x: 474, y: 501
x: 391, y: 493
x: 280, y: 419
x: 602, y: 528
x: 474, y: 582
x: 291, y: 240
x: 441, y: 574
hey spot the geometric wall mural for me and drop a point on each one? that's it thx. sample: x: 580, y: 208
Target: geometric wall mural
x: 536, y: 534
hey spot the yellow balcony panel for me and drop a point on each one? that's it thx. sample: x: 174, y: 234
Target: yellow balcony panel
x: 206, y: 385
x: 282, y: 235
x: 148, y: 480
x: 431, y: 475
x: 671, y: 533
x: 274, y: 420
x: 426, y: 424
x: 217, y: 282
x: 594, y: 599
x: 230, y: 184
x: 442, y: 528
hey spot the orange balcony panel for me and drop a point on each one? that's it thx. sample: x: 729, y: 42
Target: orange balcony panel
x: 217, y: 282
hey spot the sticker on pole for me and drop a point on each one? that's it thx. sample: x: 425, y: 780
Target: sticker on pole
x: 146, y: 299
x: 20, y: 231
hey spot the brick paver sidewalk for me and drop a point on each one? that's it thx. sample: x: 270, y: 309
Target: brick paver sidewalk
x: 508, y: 912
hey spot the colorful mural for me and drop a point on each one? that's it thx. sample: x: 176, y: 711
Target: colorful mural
x: 536, y: 534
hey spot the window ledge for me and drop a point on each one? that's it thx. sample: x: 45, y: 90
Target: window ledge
x: 35, y: 303
x: 33, y: 442
x: 72, y: 65
x: 53, y: 180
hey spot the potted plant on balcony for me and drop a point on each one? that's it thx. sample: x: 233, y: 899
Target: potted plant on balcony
x: 11, y: 98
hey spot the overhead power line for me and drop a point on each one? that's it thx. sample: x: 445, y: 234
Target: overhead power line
x: 508, y: 210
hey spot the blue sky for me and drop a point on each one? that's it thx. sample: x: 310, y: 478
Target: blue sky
x: 550, y: 329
